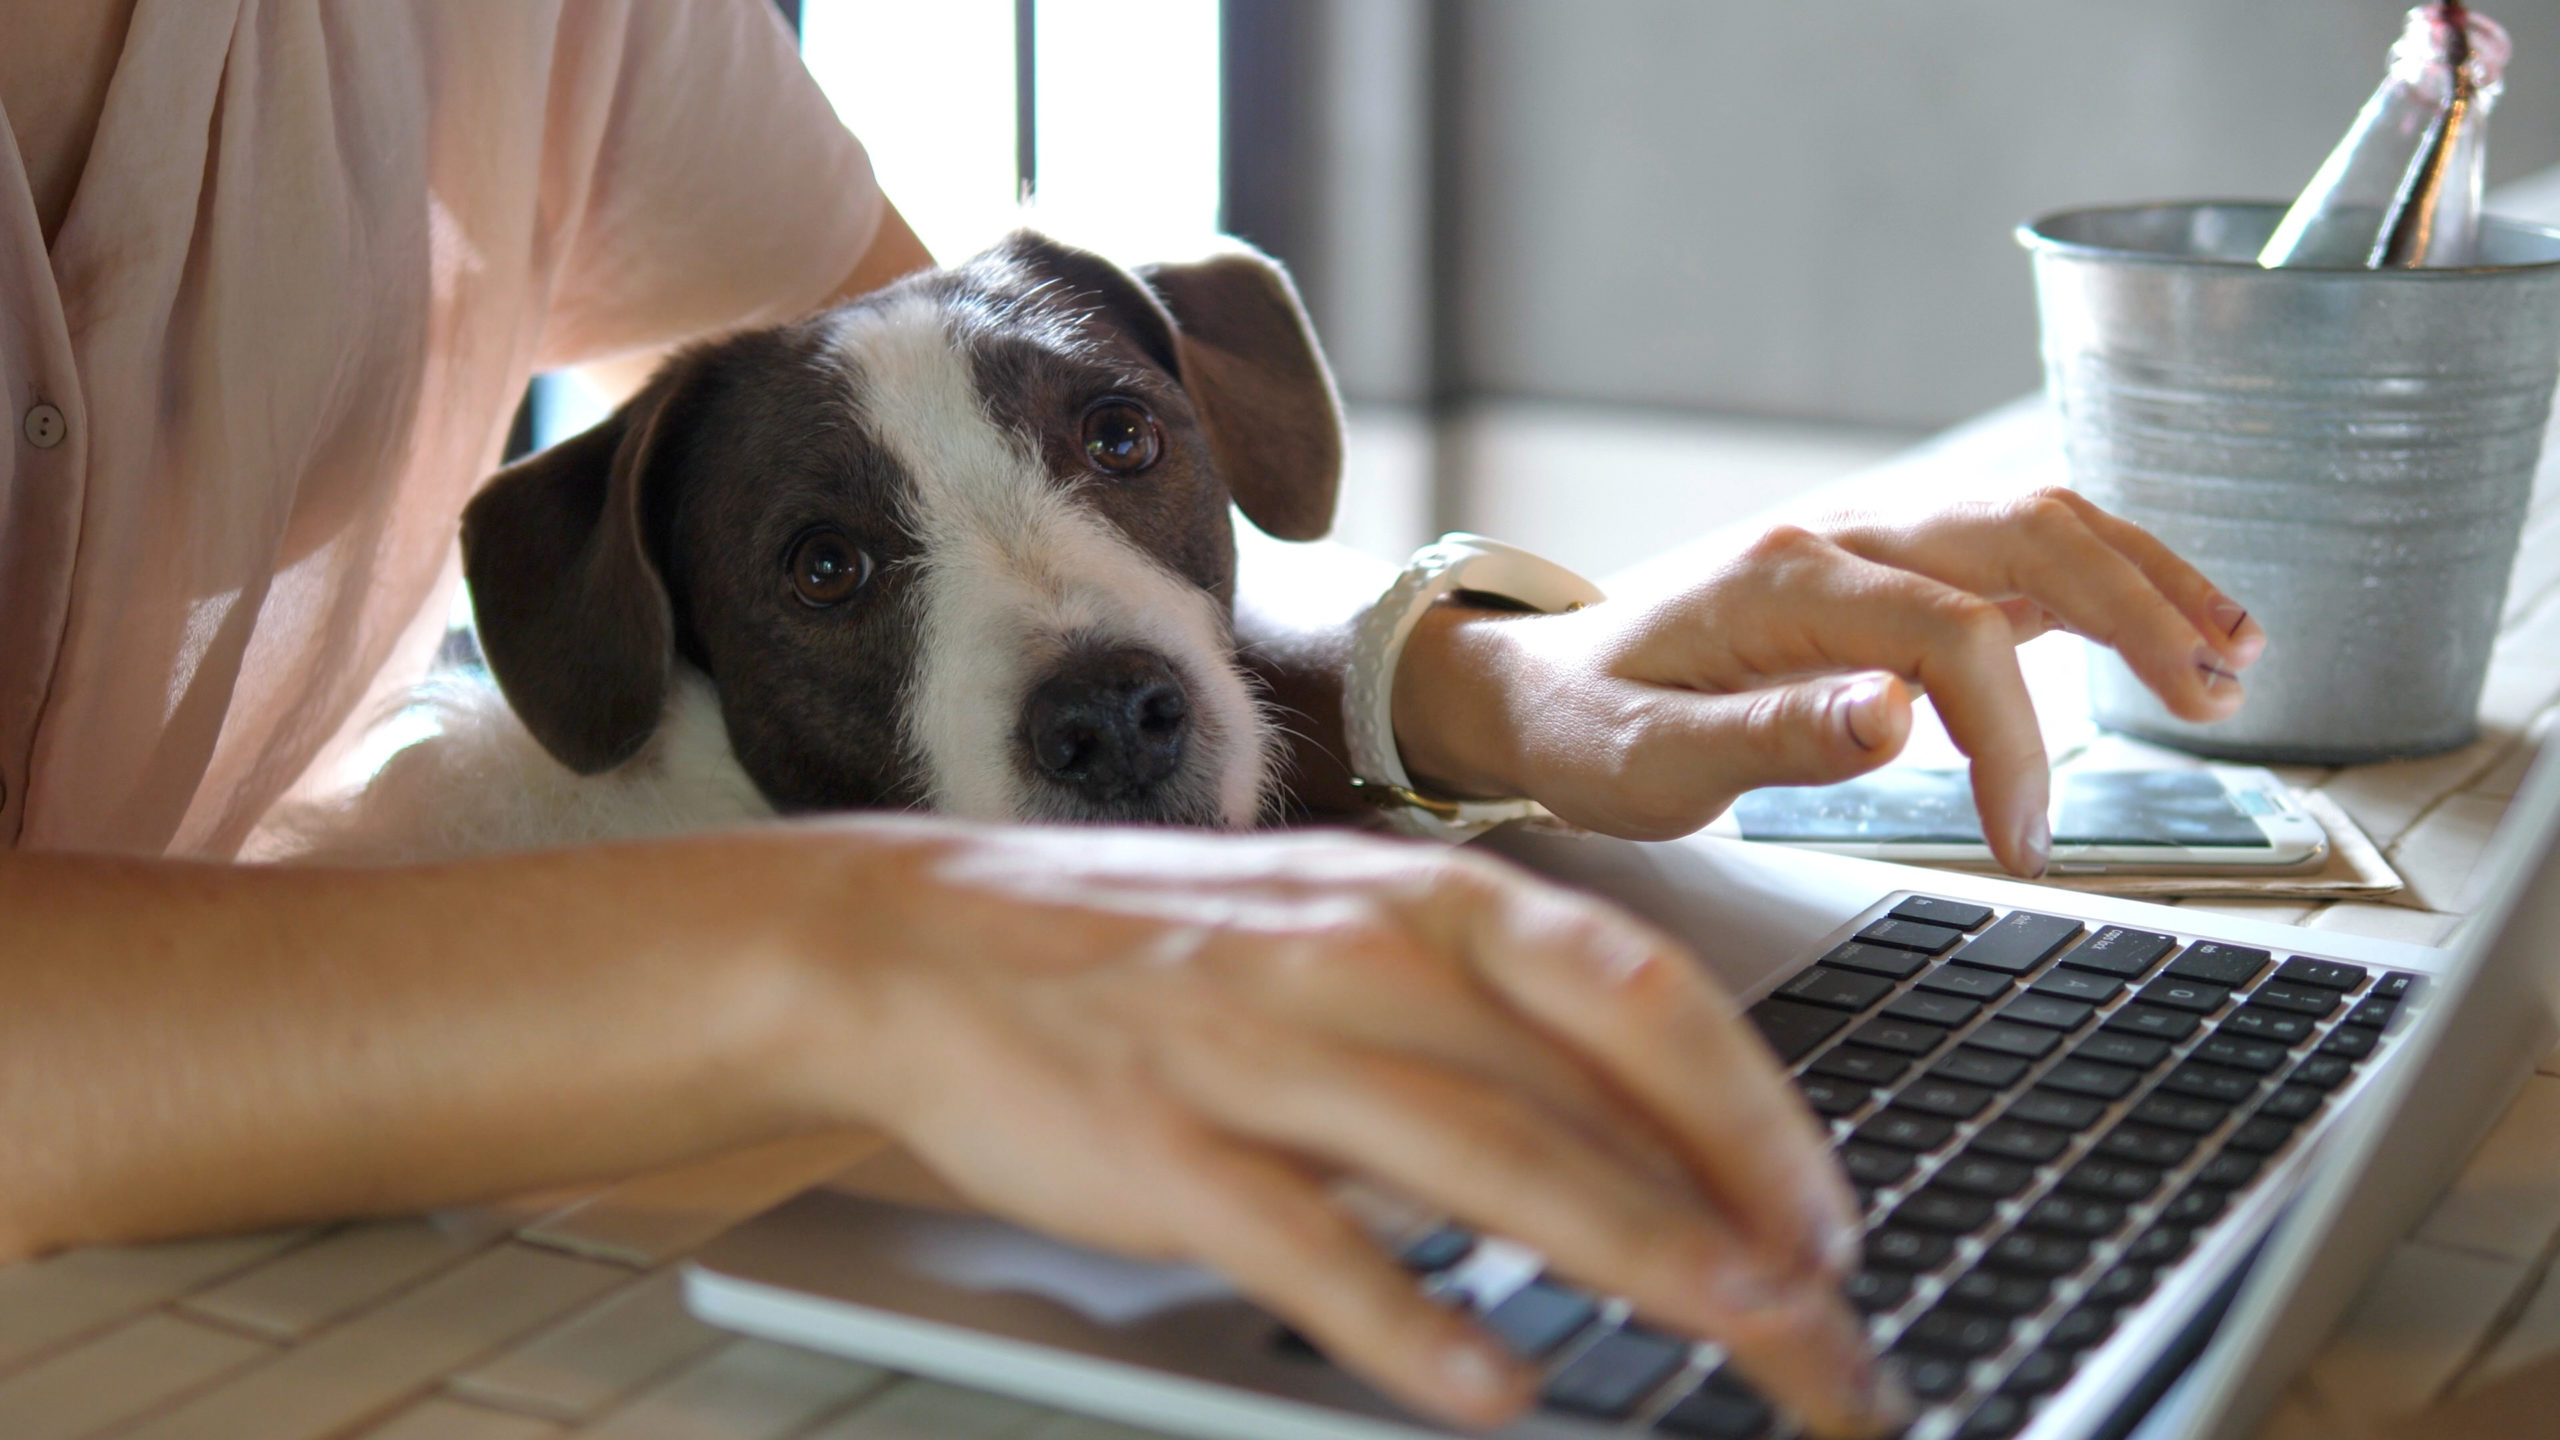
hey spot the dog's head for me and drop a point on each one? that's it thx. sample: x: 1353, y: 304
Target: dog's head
x: 960, y: 544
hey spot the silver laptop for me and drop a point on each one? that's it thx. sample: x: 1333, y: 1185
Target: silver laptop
x: 2124, y: 1166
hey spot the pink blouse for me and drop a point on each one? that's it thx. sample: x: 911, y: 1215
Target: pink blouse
x: 315, y: 254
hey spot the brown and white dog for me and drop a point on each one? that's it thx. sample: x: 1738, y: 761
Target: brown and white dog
x: 961, y: 545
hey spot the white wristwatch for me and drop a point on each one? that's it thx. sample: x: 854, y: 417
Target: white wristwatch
x: 1456, y: 562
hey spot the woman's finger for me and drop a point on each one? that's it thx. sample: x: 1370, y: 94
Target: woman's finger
x: 1357, y: 993
x: 1829, y: 609
x: 1623, y: 993
x: 2102, y: 576
x: 1270, y: 1227
x: 1488, y: 1156
x: 1701, y: 751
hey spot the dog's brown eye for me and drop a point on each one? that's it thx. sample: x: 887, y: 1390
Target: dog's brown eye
x: 826, y: 568
x: 1120, y: 438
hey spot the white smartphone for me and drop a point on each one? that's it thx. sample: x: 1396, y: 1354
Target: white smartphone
x: 2220, y: 817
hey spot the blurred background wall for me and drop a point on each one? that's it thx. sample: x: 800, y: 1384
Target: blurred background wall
x: 1599, y: 274
x: 1797, y: 211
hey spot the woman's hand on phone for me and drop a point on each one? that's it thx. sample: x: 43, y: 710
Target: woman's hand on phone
x: 1795, y: 660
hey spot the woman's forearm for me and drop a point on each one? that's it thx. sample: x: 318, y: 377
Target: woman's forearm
x: 194, y: 1047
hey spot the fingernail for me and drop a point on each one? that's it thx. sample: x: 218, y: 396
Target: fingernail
x: 1741, y: 1287
x: 2248, y: 640
x: 1839, y: 1239
x: 1475, y: 1371
x: 2037, y: 841
x: 1886, y: 1400
x: 2218, y: 679
x: 1862, y: 708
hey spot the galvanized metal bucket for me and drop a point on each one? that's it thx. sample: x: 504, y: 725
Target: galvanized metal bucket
x: 2348, y: 452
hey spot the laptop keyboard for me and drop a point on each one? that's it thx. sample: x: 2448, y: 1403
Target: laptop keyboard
x: 2040, y: 1119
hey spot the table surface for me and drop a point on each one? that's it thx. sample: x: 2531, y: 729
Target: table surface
x: 559, y: 1315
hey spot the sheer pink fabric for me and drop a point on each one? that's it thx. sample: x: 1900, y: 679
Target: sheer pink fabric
x: 316, y: 252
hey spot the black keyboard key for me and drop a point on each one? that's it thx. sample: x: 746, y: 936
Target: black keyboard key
x: 1439, y: 1250
x: 1874, y: 1165
x: 2325, y: 1072
x: 2152, y: 1022
x: 2179, y: 1112
x: 2348, y: 1043
x: 2292, y: 1102
x: 2219, y: 964
x: 2144, y: 1145
x: 2074, y: 1216
x: 2196, y: 997
x: 1832, y: 1098
x: 1911, y: 935
x: 1792, y: 1029
x: 2394, y: 985
x: 1965, y: 1334
x: 2118, y: 1180
x: 2014, y: 1140
x: 1902, y: 1037
x: 2260, y: 1135
x: 1931, y: 1376
x: 2051, y: 1107
x: 2196, y: 1207
x: 2373, y: 1014
x: 1997, y: 1418
x: 2239, y: 1052
x: 2048, y: 1011
x: 2116, y: 1048
x: 1948, y: 1212
x: 2282, y: 1026
x: 1932, y: 1096
x: 1966, y: 981
x: 1860, y: 1064
x: 2087, y: 1077
x: 2019, y: 942
x: 2040, y: 1373
x: 1881, y: 960
x: 1837, y: 989
x: 2030, y: 1254
x: 1929, y: 909
x: 2327, y: 974
x: 2024, y: 1041
x: 1873, y: 1292
x: 1539, y: 1316
x: 1985, y: 1175
x: 2080, y: 1330
x: 2117, y: 951
x: 2122, y: 1286
x: 2210, y: 1082
x: 1980, y: 1067
x: 1929, y: 1009
x: 1907, y: 1129
x: 1718, y: 1411
x: 1610, y: 1378
x: 2227, y: 1171
x: 2087, y: 987
x: 1994, y: 1292
x: 2308, y: 1000
x: 1893, y: 1248
x: 2160, y: 1245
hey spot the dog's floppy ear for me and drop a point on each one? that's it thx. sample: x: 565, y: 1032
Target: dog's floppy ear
x: 1250, y: 361
x: 572, y: 614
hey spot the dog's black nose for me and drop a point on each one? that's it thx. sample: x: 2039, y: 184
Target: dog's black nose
x: 1111, y: 725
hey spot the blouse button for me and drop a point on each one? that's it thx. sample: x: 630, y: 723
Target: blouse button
x: 45, y: 427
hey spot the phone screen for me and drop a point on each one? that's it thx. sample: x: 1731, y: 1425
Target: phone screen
x: 1935, y: 807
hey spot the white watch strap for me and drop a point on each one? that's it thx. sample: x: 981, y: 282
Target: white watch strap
x: 1456, y: 562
